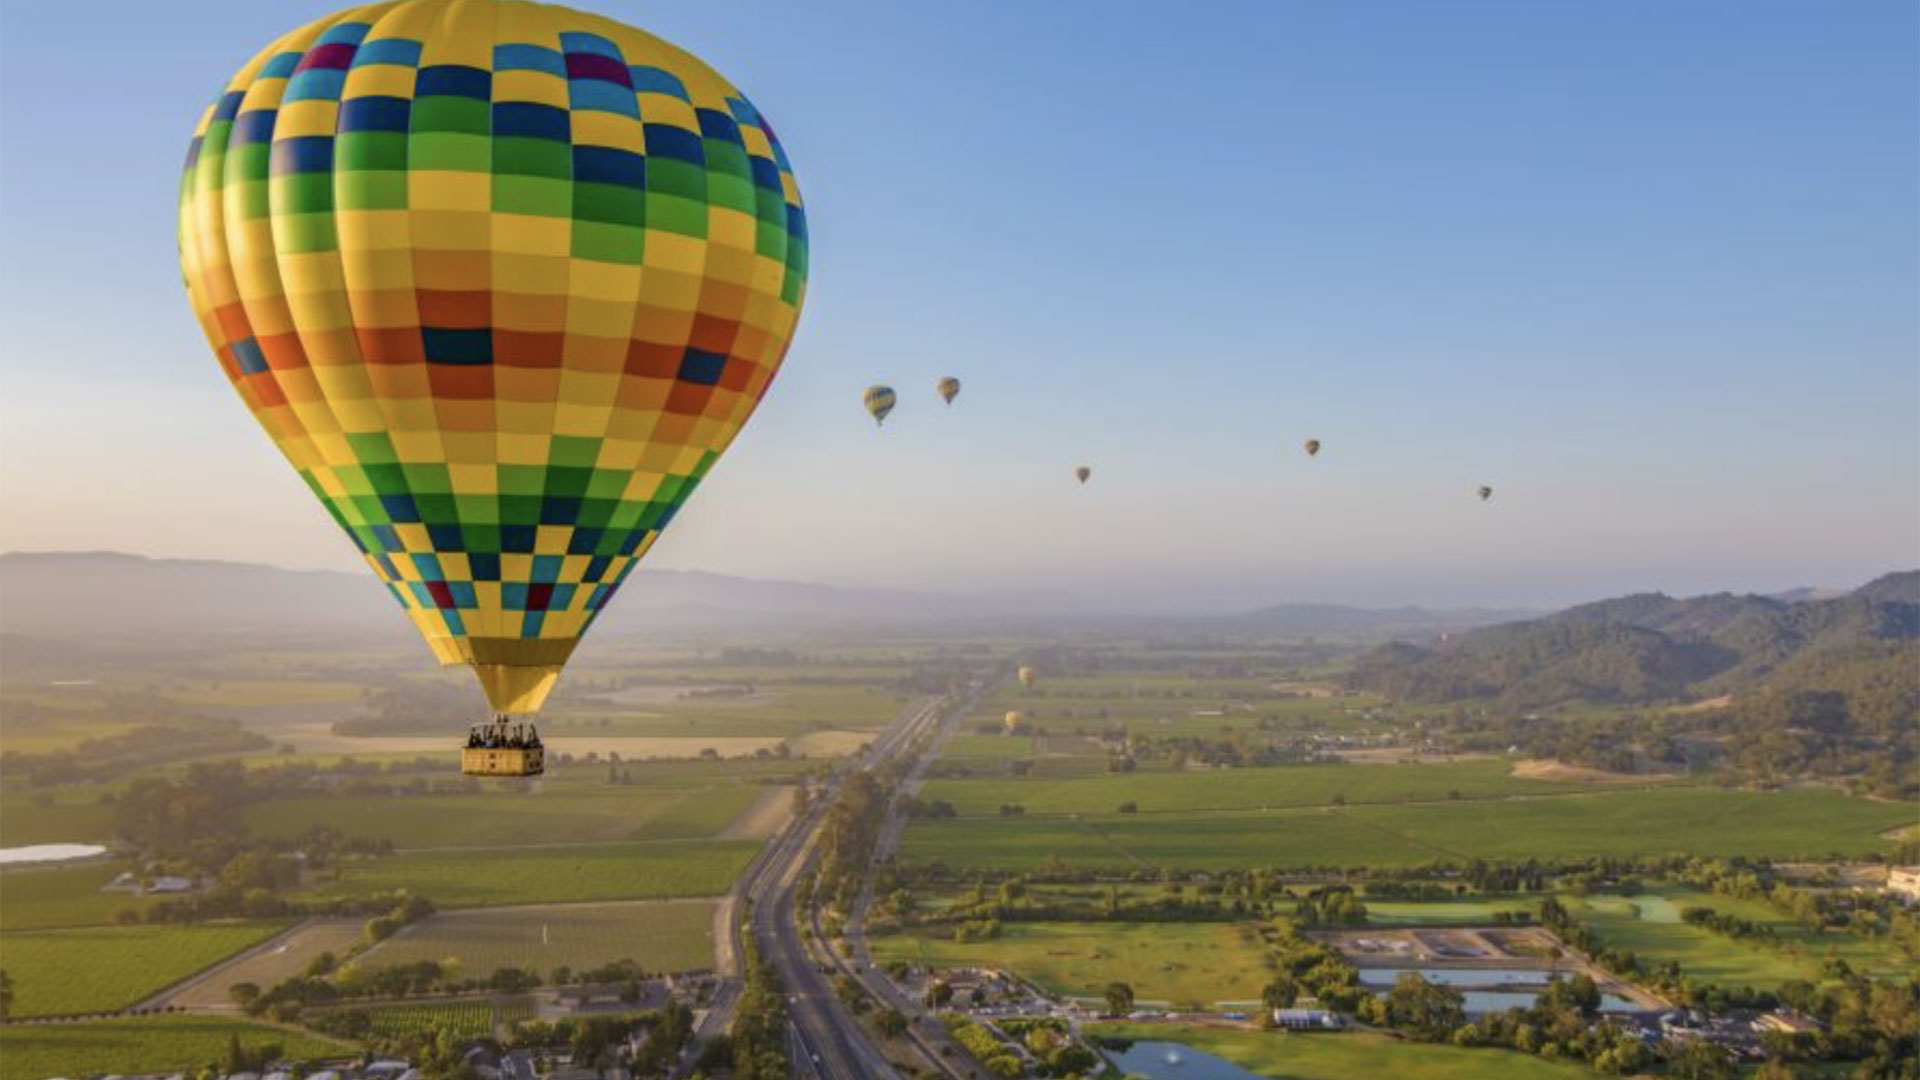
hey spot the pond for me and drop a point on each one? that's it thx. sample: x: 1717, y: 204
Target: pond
x: 39, y: 853
x: 1175, y: 1061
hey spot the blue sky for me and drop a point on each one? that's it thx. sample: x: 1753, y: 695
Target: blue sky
x: 1652, y: 270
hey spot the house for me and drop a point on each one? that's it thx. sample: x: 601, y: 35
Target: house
x: 168, y: 885
x: 1307, y: 1020
x: 1904, y: 882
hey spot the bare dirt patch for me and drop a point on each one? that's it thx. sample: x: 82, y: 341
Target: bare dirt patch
x: 273, y: 961
x: 1546, y: 769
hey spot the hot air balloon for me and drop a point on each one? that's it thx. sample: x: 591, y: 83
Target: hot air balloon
x: 1012, y: 723
x: 1312, y: 447
x: 949, y: 388
x: 1026, y: 676
x: 1485, y: 493
x: 879, y: 401
x: 502, y: 282
x: 1083, y: 473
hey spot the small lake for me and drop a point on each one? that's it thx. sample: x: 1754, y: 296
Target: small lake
x: 39, y: 853
x: 1175, y: 1061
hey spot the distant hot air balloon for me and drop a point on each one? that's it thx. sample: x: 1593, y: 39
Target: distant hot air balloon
x: 1312, y: 446
x: 1026, y: 676
x: 502, y: 282
x: 879, y: 401
x: 1012, y: 722
x: 1083, y: 473
x: 949, y: 389
x: 1485, y: 493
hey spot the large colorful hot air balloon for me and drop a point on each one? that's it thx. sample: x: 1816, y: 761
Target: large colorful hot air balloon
x: 502, y: 281
x: 948, y: 389
x: 879, y: 401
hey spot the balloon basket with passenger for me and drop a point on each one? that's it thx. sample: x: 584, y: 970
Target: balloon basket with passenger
x: 502, y: 748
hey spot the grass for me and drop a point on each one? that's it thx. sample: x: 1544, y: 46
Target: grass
x: 111, y: 967
x: 67, y: 815
x: 270, y: 966
x: 1801, y: 823
x: 1241, y: 789
x: 1176, y: 962
x: 1650, y: 925
x: 491, y: 878
x: 660, y: 937
x: 1413, y: 913
x: 37, y: 899
x: 146, y: 1045
x: 1347, y: 1055
x: 574, y: 812
x: 255, y: 693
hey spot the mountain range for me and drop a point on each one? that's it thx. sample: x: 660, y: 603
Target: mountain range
x: 1651, y: 647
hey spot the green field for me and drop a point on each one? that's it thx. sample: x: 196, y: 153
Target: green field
x: 571, y: 812
x: 1799, y: 823
x: 660, y: 937
x: 1347, y: 1056
x: 1172, y: 962
x: 1650, y: 925
x: 490, y: 878
x: 111, y: 967
x: 36, y: 899
x: 72, y: 814
x: 467, y: 1019
x: 146, y: 1045
x: 1242, y: 789
x: 1411, y: 913
x: 779, y: 710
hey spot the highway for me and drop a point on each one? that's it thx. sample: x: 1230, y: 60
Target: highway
x: 825, y: 1041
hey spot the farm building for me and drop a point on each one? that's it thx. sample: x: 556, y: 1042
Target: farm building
x: 1307, y: 1020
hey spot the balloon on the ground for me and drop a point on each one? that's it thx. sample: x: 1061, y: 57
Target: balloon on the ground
x: 502, y: 282
x: 879, y: 402
x: 948, y: 388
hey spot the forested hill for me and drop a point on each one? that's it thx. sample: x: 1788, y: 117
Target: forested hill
x: 1651, y: 647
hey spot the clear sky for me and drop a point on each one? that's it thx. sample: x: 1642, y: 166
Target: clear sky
x: 1650, y: 269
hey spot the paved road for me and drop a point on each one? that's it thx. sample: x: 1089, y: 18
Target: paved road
x: 825, y: 1042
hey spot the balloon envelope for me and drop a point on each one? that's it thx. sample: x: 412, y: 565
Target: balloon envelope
x: 1012, y: 722
x: 1082, y: 473
x: 879, y: 402
x: 502, y: 282
x: 1026, y: 676
x: 1312, y: 447
x: 1485, y: 493
x: 949, y: 388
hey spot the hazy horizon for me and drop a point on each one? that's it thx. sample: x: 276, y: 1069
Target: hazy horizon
x: 1650, y: 272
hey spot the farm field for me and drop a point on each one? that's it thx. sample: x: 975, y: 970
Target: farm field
x: 1701, y: 821
x: 1347, y: 1055
x: 270, y: 966
x: 111, y: 967
x: 72, y: 814
x: 1243, y: 789
x: 779, y: 711
x: 481, y: 877
x: 1650, y: 925
x: 1414, y: 913
x: 660, y: 936
x: 144, y: 1045
x: 38, y: 898
x: 1168, y: 962
x: 574, y: 812
x: 468, y: 1019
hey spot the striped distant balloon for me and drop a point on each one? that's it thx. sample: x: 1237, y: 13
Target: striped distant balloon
x: 879, y: 401
x: 949, y: 388
x: 502, y: 281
